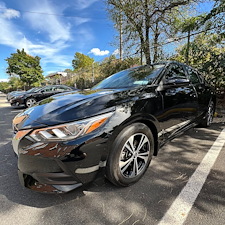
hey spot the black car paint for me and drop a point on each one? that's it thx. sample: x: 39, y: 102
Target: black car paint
x: 54, y: 167
x: 38, y: 95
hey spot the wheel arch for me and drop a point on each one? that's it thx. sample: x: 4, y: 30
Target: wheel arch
x: 112, y: 169
x: 154, y: 131
x: 149, y: 121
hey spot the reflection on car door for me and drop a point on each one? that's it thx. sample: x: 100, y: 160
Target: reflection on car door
x: 203, y: 90
x: 46, y: 92
x: 179, y: 100
x: 60, y: 89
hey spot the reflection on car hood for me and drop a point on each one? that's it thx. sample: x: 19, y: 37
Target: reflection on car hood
x: 72, y: 106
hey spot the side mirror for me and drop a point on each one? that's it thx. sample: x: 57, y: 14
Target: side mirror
x: 170, y: 83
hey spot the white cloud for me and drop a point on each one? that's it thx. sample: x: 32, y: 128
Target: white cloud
x: 60, y: 60
x: 51, y: 24
x: 59, y: 36
x: 98, y: 52
x: 80, y: 20
x: 4, y: 80
x: 49, y: 52
x: 83, y: 4
x: 11, y: 36
x: 116, y: 52
x: 10, y: 13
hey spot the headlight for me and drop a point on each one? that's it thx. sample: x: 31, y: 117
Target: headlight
x: 69, y: 131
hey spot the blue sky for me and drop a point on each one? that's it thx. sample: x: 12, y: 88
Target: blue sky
x: 55, y: 30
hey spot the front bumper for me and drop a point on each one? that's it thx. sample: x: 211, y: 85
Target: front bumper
x: 60, y: 167
x: 17, y: 102
x: 48, y: 184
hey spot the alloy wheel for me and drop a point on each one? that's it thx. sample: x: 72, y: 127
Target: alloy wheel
x: 30, y: 102
x: 134, y: 155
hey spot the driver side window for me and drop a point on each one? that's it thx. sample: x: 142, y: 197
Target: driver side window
x: 193, y: 76
x: 175, y: 72
x: 47, y: 89
x: 61, y: 88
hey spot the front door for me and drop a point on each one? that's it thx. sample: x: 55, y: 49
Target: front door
x: 179, y: 100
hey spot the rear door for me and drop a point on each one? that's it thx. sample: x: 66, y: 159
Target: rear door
x: 203, y: 90
x: 180, y: 102
x: 60, y: 89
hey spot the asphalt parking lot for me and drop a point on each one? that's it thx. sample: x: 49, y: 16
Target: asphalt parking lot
x: 166, y: 192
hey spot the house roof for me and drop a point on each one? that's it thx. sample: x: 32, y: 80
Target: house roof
x: 64, y: 74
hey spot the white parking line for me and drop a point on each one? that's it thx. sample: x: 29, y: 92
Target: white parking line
x: 182, y: 205
x: 16, y: 111
x: 4, y: 143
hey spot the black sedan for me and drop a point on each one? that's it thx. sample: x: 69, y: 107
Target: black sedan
x: 117, y: 126
x: 29, y: 98
x: 12, y: 94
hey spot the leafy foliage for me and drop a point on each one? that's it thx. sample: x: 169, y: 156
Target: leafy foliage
x: 217, y: 12
x: 4, y: 87
x: 25, y: 66
x: 81, y: 61
x: 214, y: 69
x: 111, y: 65
x: 16, y: 83
x: 89, y: 76
x: 145, y: 21
x: 214, y: 21
x: 206, y: 53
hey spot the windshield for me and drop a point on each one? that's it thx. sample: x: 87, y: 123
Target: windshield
x: 131, y: 77
x: 32, y: 89
x: 38, y: 89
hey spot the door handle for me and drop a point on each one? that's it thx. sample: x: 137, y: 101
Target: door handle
x: 193, y: 95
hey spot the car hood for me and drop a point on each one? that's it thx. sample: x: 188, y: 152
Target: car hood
x: 72, y: 106
x: 18, y: 93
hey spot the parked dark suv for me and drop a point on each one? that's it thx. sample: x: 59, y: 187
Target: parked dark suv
x: 63, y: 141
x: 29, y: 98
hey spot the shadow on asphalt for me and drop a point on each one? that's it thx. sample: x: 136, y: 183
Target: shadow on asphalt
x: 166, y: 176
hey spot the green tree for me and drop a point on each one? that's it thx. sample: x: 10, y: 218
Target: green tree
x: 68, y: 70
x: 111, y: 65
x: 16, y: 83
x: 25, y: 66
x: 206, y: 53
x: 144, y: 21
x: 214, y: 69
x: 188, y: 25
x: 81, y: 61
x: 4, y: 86
x: 217, y: 17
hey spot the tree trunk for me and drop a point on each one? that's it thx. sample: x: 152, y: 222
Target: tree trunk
x: 188, y: 46
x: 155, y: 43
x: 147, y: 27
x: 146, y: 51
x: 121, y: 36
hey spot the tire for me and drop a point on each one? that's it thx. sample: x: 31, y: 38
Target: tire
x: 30, y: 102
x: 130, y: 155
x: 207, y: 121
